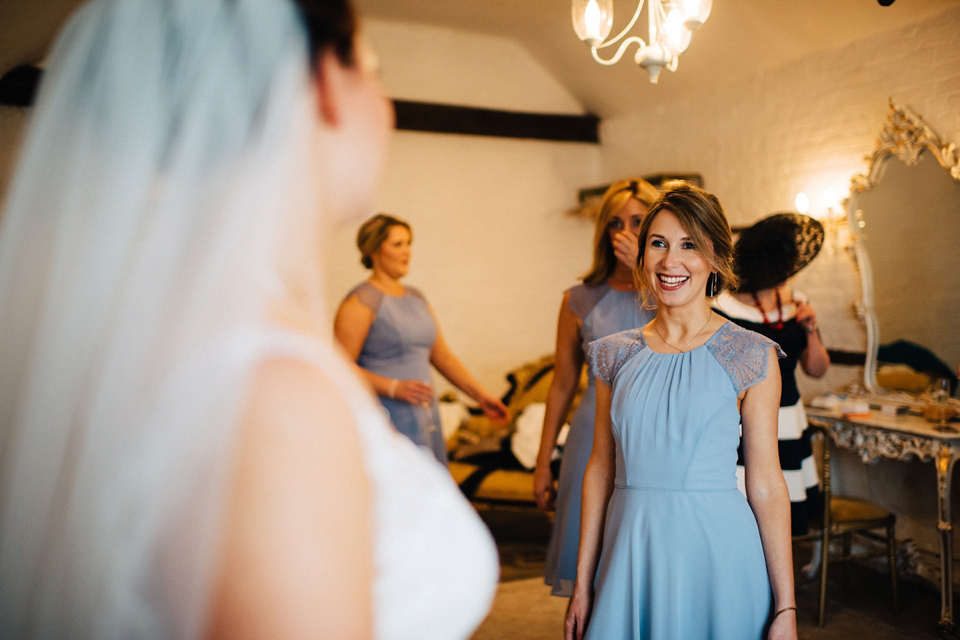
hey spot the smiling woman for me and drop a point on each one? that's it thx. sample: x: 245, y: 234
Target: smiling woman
x: 663, y: 526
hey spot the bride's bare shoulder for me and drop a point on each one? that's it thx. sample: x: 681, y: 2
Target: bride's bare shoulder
x: 298, y: 532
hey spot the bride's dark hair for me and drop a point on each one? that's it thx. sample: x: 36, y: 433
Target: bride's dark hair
x: 330, y: 24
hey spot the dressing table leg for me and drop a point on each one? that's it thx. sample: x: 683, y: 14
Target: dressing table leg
x: 945, y: 460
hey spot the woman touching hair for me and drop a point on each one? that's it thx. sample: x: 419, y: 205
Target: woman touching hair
x: 393, y: 334
x: 605, y: 303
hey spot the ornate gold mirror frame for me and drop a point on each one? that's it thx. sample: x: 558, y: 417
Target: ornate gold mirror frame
x: 905, y: 135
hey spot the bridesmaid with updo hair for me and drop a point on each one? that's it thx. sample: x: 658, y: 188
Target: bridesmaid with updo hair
x: 393, y: 334
x: 374, y: 232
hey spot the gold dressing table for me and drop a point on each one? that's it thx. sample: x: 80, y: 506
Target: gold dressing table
x: 903, y: 437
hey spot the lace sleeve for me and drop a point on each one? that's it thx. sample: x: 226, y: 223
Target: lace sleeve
x: 743, y: 353
x: 416, y: 293
x: 368, y: 295
x: 606, y: 355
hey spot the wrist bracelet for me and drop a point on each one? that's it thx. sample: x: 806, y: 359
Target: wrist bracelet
x: 393, y: 387
x: 794, y: 608
x: 812, y: 327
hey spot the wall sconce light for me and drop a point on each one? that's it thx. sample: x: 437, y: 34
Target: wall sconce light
x: 830, y: 214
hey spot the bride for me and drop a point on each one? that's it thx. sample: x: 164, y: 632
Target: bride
x: 183, y: 453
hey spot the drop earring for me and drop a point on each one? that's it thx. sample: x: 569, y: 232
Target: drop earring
x: 712, y: 285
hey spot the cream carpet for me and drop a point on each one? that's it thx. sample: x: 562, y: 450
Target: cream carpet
x: 523, y: 610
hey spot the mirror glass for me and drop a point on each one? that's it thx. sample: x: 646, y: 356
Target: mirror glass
x: 907, y: 216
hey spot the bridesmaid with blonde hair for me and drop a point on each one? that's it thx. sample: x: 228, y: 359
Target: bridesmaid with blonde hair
x: 606, y: 302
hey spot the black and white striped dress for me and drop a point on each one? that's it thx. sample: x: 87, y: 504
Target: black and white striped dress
x: 796, y: 453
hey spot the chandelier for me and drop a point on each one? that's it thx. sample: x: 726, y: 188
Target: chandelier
x: 670, y: 26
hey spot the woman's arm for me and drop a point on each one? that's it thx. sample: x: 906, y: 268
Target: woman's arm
x: 814, y: 360
x: 448, y: 364
x: 566, y: 377
x: 284, y: 571
x: 597, y: 488
x: 767, y: 493
x: 350, y: 327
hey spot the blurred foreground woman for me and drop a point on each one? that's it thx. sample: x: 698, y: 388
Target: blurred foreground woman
x: 183, y: 453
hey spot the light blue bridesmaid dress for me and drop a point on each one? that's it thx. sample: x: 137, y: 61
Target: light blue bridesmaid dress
x: 681, y: 554
x: 398, y: 346
x: 603, y: 310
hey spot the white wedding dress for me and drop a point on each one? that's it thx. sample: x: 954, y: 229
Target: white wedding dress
x: 436, y: 565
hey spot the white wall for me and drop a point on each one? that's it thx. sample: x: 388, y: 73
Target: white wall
x: 805, y: 126
x: 437, y: 64
x: 493, y: 247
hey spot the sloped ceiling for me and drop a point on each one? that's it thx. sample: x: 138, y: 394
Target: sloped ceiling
x: 742, y: 37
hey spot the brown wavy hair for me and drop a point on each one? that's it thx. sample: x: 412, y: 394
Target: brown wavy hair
x: 701, y: 215
x: 330, y: 24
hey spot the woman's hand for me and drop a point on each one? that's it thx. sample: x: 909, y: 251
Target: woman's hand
x: 806, y: 316
x: 493, y: 408
x: 414, y: 392
x: 815, y: 360
x: 784, y: 626
x: 626, y: 248
x: 543, y: 490
x: 578, y: 614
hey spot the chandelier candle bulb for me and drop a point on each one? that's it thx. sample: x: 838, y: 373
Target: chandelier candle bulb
x: 695, y: 12
x: 592, y: 20
x: 678, y: 36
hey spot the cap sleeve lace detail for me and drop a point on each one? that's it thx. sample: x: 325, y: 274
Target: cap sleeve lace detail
x: 743, y: 354
x: 368, y: 295
x: 606, y: 355
x: 416, y: 293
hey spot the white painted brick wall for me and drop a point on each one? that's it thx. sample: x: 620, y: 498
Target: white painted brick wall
x: 804, y: 127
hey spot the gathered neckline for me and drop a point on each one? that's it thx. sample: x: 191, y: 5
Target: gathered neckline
x: 713, y: 336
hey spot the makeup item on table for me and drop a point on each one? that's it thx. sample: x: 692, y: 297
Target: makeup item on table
x: 855, y: 409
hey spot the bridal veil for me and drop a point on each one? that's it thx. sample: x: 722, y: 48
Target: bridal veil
x: 163, y: 165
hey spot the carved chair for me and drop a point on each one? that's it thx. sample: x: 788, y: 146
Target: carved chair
x: 844, y: 516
